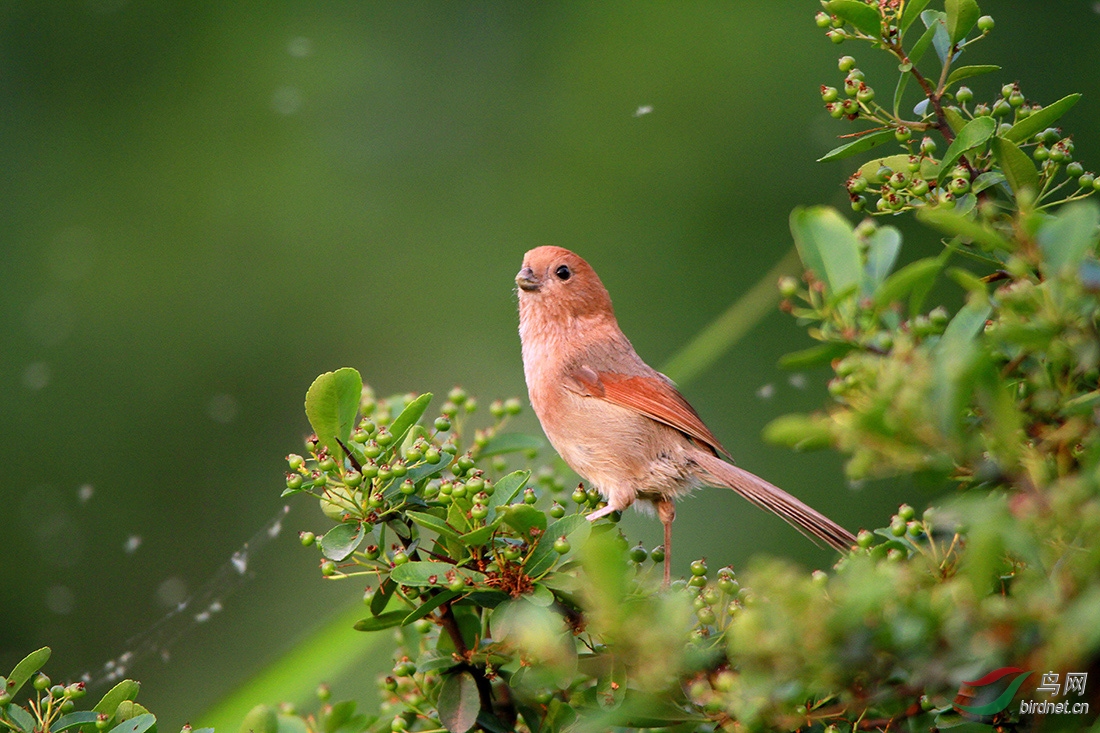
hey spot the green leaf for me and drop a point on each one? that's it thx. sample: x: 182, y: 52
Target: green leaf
x: 955, y: 120
x: 941, y: 40
x: 125, y: 690
x: 430, y: 605
x: 828, y: 246
x: 1040, y: 120
x: 481, y: 535
x: 140, y: 724
x: 1068, y: 237
x: 260, y: 719
x: 26, y: 669
x: 18, y: 717
x: 860, y: 15
x: 73, y: 720
x: 965, y: 325
x: 435, y: 524
x: 903, y: 282
x: 975, y: 133
x: 574, y: 527
x: 965, y: 72
x: 342, y: 540
x: 800, y: 432
x: 962, y: 16
x: 882, y: 252
x: 331, y: 404
x: 814, y: 356
x: 408, y: 417
x: 989, y: 179
x: 459, y: 702
x: 870, y: 169
x: 912, y: 11
x: 420, y: 573
x: 859, y: 145
x: 433, y: 659
x: 510, y: 443
x: 1019, y: 170
x: 524, y: 518
x: 382, y: 596
x: 508, y: 488
x: 387, y: 620
x: 336, y: 716
x: 960, y: 226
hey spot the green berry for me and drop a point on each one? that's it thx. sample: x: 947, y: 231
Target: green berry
x: 457, y: 395
x: 697, y: 581
x: 561, y: 545
x: 496, y: 409
x: 384, y: 437
x: 457, y: 584
x: 1075, y: 169
x: 1040, y: 153
x: 432, y: 456
x: 353, y: 478
x: 836, y: 36
x: 398, y: 724
x: 835, y: 110
x: 1001, y: 108
x: 865, y: 538
x: 846, y: 64
x: 373, y: 552
x: 102, y: 720
x: 1016, y: 99
x: 865, y: 94
x: 829, y: 94
x: 1087, y: 180
x: 307, y: 538
x: 985, y: 23
x: 897, y: 526
x: 328, y: 568
x: 788, y: 286
x: 964, y: 95
x: 327, y: 464
x: 927, y: 146
x: 557, y: 511
x: 513, y: 406
x: 371, y: 449
x: 295, y: 461
x: 823, y: 20
x: 529, y: 496
x: 41, y: 682
x: 901, y: 134
x: 294, y: 481
x: 699, y: 567
x: 479, y: 511
x: 399, y: 468
x: 360, y: 436
x: 906, y: 512
x: 400, y: 557
x: 657, y: 554
x: 408, y: 488
x: 706, y: 616
x: 958, y: 186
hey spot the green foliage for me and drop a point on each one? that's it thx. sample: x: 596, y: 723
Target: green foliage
x: 51, y: 708
x: 514, y: 615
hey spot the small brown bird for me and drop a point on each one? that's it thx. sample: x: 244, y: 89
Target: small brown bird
x: 620, y: 424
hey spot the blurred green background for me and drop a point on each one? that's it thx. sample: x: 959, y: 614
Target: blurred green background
x: 205, y: 205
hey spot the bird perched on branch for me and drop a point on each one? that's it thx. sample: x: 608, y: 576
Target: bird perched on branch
x: 620, y: 424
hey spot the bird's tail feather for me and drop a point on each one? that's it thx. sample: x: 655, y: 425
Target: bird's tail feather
x: 806, y: 520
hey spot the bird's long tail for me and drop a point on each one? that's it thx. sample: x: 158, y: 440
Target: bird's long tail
x: 806, y: 520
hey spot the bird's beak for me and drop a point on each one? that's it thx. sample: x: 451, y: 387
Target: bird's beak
x: 526, y: 279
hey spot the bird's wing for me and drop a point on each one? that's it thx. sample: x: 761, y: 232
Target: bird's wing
x: 653, y: 396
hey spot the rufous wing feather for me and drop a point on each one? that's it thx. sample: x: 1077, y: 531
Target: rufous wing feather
x: 653, y: 396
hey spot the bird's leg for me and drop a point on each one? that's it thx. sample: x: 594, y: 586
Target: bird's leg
x: 599, y: 513
x: 666, y: 510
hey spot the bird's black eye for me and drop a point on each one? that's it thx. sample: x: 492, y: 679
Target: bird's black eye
x: 563, y: 272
